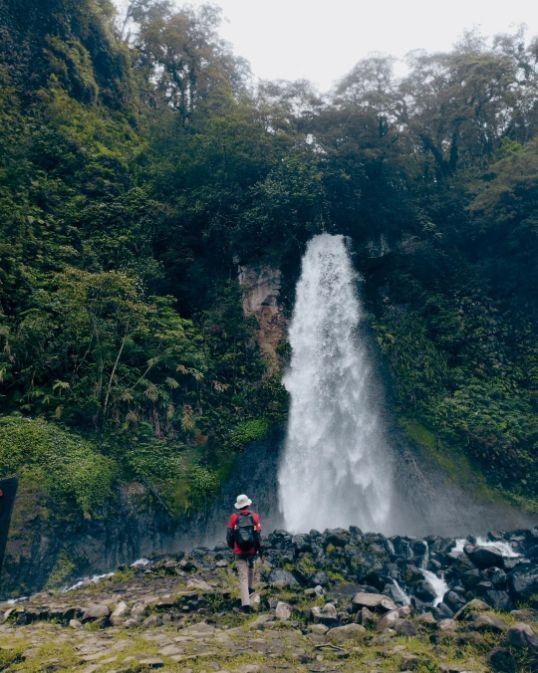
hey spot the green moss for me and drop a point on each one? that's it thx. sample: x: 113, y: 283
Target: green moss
x: 68, y: 467
x: 63, y: 570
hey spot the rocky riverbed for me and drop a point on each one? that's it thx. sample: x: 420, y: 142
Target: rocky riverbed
x: 334, y: 601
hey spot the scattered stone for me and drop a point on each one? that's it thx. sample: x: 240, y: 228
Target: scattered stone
x: 502, y: 661
x: 469, y: 610
x: 340, y: 634
x: 318, y: 629
x: 282, y: 611
x: 199, y: 585
x: 522, y: 636
x: 488, y: 624
x: 373, y: 601
x: 404, y: 627
x: 447, y: 625
x: 524, y: 581
x: 388, y: 620
x: 75, y: 623
x: 367, y: 617
x: 427, y: 619
x: 119, y: 613
x: 96, y: 611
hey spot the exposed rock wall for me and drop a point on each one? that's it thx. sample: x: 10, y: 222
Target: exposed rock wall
x: 261, y: 288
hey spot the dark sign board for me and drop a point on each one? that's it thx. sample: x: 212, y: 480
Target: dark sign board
x: 8, y: 491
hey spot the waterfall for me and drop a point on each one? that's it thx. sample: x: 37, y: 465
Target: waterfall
x: 336, y: 468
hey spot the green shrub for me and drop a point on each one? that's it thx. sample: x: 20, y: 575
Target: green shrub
x: 67, y: 466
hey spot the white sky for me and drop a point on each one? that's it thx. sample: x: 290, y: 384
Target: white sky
x: 321, y: 41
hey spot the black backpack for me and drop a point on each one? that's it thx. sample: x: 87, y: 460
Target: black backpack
x: 245, y: 533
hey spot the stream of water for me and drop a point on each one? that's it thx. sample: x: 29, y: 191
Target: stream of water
x: 336, y: 469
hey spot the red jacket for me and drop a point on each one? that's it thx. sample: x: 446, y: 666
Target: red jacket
x: 231, y: 525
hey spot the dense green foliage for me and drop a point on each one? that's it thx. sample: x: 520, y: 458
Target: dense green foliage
x: 137, y: 170
x: 76, y: 478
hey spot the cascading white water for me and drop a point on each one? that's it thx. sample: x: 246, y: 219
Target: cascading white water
x: 336, y: 468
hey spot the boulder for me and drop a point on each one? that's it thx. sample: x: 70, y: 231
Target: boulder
x: 388, y: 620
x: 499, y: 600
x: 95, y: 611
x: 488, y: 624
x: 448, y: 625
x: 503, y: 661
x: 282, y: 611
x: 454, y: 600
x: 523, y: 581
x: 282, y: 579
x: 340, y: 634
x: 469, y: 610
x: 406, y: 628
x: 338, y: 537
x: 484, y: 557
x: 378, y: 602
x: 367, y: 617
x: 424, y: 591
x: 119, y: 613
x: 522, y: 636
x: 326, y: 615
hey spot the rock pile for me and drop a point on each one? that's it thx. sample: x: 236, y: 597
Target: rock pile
x: 341, y: 590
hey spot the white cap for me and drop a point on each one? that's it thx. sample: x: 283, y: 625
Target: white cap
x: 242, y: 501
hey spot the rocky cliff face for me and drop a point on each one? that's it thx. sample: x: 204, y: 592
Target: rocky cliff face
x: 261, y: 288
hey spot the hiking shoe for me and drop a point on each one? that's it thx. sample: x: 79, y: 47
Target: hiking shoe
x: 247, y: 609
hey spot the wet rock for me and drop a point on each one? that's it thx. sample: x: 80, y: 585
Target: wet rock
x: 499, y: 600
x: 453, y: 600
x: 424, y: 591
x: 484, y: 557
x: 338, y: 537
x: 523, y: 581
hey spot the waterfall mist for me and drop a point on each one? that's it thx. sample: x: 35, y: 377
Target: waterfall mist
x: 336, y: 468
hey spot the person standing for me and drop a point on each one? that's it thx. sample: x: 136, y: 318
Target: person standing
x: 243, y: 536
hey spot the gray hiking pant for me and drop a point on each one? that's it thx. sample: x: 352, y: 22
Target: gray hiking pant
x: 245, y: 570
